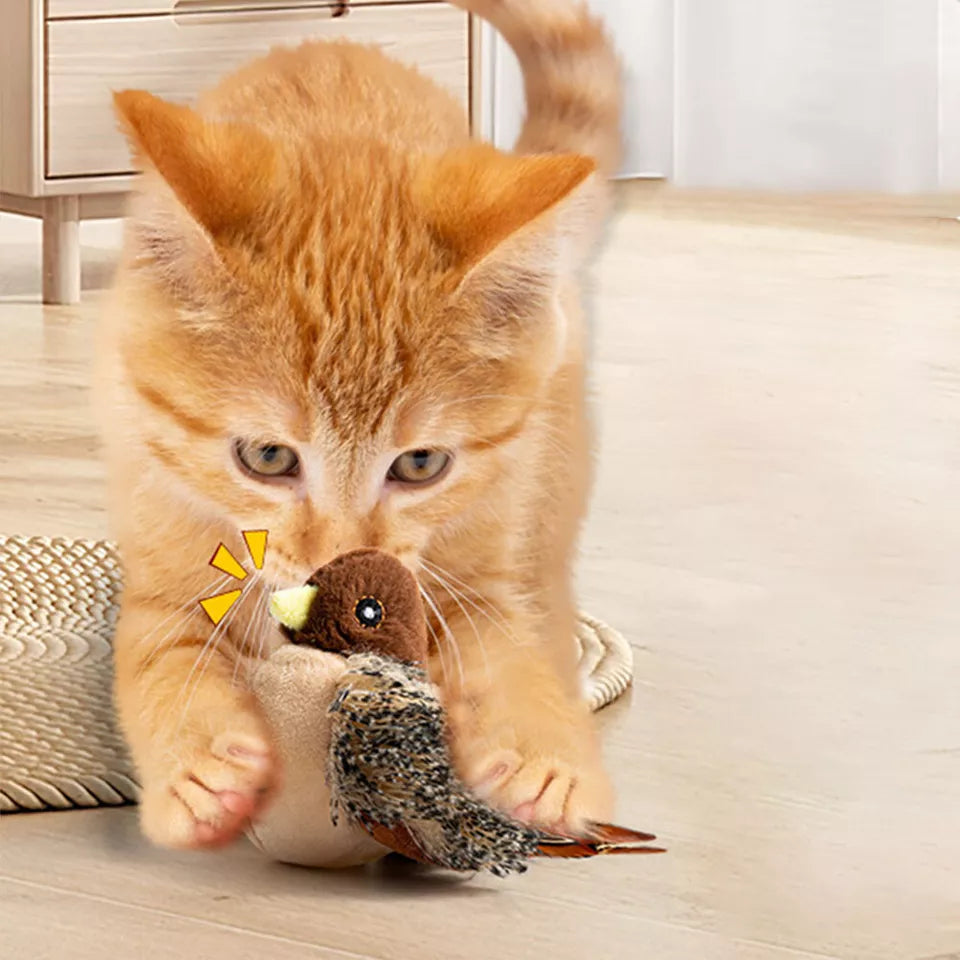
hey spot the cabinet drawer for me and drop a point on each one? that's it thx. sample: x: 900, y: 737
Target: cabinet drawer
x: 176, y: 57
x: 67, y: 9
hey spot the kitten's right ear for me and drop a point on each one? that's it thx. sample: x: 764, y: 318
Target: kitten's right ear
x: 221, y: 173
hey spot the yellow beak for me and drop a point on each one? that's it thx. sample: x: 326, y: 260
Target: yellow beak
x: 292, y: 607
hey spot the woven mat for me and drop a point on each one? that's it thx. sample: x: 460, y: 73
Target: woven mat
x: 59, y: 742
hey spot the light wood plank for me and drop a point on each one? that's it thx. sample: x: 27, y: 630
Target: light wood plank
x: 104, y: 206
x: 22, y: 206
x: 90, y: 58
x: 72, y: 9
x: 21, y: 97
x: 360, y: 912
x: 61, y: 250
x: 49, y: 924
x: 92, y: 206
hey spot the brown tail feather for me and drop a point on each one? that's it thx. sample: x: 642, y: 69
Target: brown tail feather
x: 581, y: 849
x: 611, y: 833
x: 604, y: 839
x: 399, y: 839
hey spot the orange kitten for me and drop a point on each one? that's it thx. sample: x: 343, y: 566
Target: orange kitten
x: 340, y: 319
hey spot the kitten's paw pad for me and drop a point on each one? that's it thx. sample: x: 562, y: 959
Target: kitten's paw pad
x: 489, y: 774
x: 550, y: 793
x: 208, y: 802
x: 536, y: 759
x: 548, y: 787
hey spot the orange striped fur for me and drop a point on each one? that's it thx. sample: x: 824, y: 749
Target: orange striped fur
x: 319, y: 256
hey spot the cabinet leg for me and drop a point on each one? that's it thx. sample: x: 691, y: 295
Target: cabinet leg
x: 61, y: 250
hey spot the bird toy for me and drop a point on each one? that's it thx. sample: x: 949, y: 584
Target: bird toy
x: 387, y: 766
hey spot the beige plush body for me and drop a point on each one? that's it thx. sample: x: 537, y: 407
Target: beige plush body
x: 294, y: 687
x: 322, y: 271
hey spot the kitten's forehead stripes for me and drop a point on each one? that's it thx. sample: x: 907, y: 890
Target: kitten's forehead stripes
x: 164, y: 405
x: 175, y: 463
x: 359, y: 405
x: 508, y: 433
x: 167, y: 457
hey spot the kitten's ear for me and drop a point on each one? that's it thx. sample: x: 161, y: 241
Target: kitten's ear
x: 476, y: 198
x: 221, y: 173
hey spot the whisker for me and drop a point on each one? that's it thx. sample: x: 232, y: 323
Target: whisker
x: 499, y: 621
x: 221, y: 580
x: 456, y: 597
x: 168, y: 640
x: 263, y: 621
x: 208, y: 653
x: 434, y: 569
x: 439, y: 649
x: 447, y: 632
x: 242, y: 648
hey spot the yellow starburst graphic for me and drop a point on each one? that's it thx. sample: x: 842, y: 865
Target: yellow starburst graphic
x: 225, y: 561
x: 256, y: 541
x: 217, y: 606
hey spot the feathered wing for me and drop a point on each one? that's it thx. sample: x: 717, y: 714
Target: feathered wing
x: 390, y: 773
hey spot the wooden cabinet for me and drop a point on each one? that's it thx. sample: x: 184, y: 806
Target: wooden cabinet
x: 61, y: 155
x: 86, y: 59
x: 73, y: 9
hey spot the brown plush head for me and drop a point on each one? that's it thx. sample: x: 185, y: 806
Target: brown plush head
x: 362, y: 602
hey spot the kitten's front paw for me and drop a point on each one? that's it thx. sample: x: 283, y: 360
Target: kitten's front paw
x: 543, y: 773
x: 212, y: 790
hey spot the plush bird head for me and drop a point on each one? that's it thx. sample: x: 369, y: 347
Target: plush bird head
x: 362, y: 602
x: 388, y: 768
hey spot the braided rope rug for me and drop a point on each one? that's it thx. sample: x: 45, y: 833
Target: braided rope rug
x: 59, y: 742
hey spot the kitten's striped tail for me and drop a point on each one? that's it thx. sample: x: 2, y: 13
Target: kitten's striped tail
x: 571, y: 73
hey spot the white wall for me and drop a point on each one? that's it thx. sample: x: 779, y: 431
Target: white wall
x: 782, y: 94
x: 808, y: 94
x: 950, y: 95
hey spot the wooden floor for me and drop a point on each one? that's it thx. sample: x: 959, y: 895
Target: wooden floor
x: 777, y: 529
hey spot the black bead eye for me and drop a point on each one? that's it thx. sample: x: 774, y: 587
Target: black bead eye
x: 369, y: 612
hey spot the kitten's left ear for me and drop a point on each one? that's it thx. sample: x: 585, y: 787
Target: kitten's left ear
x: 477, y: 198
x: 509, y: 227
x: 220, y: 172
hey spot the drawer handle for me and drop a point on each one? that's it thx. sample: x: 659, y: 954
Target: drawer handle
x: 338, y: 8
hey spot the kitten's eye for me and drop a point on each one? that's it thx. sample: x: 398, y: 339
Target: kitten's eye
x: 419, y: 467
x: 267, y: 460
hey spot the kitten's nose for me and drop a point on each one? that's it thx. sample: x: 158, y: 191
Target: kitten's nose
x: 326, y: 539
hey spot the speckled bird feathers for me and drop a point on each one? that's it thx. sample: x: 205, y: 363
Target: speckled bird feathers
x: 389, y: 770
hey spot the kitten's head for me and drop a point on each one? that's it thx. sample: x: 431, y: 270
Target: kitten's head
x: 344, y: 346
